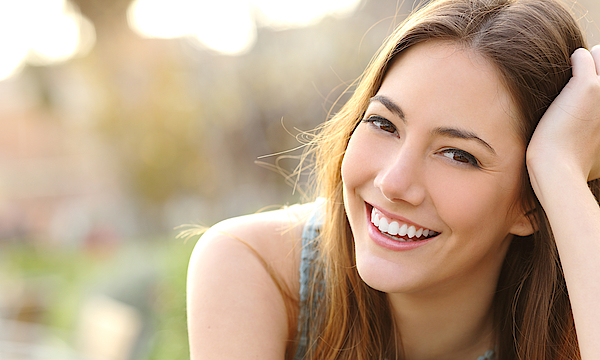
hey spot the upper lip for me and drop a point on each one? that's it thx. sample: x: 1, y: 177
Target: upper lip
x: 396, y: 217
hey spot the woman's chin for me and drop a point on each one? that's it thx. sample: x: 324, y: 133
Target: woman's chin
x: 389, y: 277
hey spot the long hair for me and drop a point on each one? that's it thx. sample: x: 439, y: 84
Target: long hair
x: 529, y: 42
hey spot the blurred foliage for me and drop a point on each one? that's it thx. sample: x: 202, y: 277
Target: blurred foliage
x: 171, y: 340
x: 55, y: 276
x: 63, y: 280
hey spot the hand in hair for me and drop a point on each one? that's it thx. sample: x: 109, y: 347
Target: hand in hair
x: 563, y: 155
x: 567, y: 137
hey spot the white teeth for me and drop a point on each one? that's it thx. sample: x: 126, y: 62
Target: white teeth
x: 411, y: 231
x: 393, y: 228
x: 383, y: 225
x: 403, y: 230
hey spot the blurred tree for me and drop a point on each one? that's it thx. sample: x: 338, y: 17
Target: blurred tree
x: 185, y: 121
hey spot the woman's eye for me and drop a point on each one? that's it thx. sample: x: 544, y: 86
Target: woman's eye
x: 382, y: 123
x: 461, y: 157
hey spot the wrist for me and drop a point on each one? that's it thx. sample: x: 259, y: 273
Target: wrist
x: 554, y: 177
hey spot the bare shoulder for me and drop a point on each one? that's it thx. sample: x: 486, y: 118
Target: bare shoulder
x: 275, y: 236
x: 235, y: 309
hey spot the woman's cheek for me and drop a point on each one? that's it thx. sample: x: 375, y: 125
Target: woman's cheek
x: 461, y: 199
x: 355, y: 165
x: 467, y: 201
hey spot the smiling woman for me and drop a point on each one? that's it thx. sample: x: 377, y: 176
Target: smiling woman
x: 427, y: 168
x: 428, y: 239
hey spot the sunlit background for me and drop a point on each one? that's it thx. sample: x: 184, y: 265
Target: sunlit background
x: 122, y: 120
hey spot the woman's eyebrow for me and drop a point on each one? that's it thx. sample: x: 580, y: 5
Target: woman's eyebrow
x: 390, y: 105
x: 462, y: 134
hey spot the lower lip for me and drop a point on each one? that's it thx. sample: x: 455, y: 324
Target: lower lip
x: 390, y: 244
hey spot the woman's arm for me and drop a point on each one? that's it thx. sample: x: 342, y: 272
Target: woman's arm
x: 235, y: 310
x: 564, y: 153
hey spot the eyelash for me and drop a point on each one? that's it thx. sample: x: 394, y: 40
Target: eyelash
x: 381, y: 123
x: 470, y: 159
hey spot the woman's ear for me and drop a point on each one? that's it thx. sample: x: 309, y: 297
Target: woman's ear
x: 525, y: 224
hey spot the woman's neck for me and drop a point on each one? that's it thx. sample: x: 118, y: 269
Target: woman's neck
x: 452, y: 323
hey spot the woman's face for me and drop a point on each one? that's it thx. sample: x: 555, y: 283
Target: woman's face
x: 436, y: 151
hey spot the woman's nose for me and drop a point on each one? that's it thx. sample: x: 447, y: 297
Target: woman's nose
x: 400, y: 177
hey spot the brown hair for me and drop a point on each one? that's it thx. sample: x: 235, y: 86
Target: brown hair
x: 530, y: 43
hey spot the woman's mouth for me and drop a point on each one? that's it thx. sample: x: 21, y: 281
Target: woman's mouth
x: 399, y: 230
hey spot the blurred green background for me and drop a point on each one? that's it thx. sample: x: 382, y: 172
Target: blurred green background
x: 122, y: 120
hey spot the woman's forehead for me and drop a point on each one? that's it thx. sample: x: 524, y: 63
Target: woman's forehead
x: 447, y: 82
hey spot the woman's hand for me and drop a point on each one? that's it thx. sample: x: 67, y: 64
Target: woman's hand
x: 567, y: 138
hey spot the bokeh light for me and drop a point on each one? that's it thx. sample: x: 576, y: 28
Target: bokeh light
x: 288, y: 14
x: 41, y: 32
x: 228, y: 26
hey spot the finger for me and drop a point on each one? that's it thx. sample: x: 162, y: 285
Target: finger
x: 596, y: 55
x: 583, y: 63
